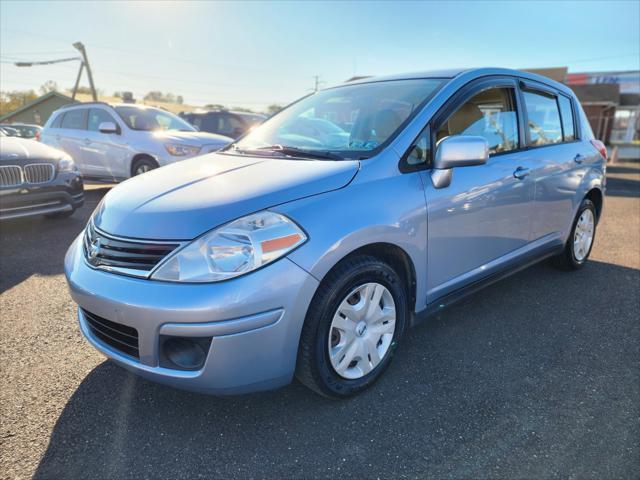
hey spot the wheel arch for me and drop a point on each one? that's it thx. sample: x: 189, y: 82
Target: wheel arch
x: 141, y: 156
x: 597, y: 197
x: 392, y: 254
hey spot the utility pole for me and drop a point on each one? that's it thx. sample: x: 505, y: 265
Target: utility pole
x: 85, y: 63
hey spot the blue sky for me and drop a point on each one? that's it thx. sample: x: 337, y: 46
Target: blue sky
x: 253, y: 54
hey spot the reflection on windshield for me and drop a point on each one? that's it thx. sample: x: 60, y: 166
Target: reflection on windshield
x: 350, y: 121
x: 151, y: 119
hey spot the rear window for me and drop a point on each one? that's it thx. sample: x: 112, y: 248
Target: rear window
x: 568, y: 128
x: 75, y: 119
x: 543, y: 118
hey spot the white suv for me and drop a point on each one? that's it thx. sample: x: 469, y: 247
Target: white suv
x: 118, y: 141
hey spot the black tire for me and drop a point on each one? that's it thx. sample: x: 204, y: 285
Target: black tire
x: 143, y: 165
x: 314, y: 368
x: 60, y: 215
x: 567, y: 259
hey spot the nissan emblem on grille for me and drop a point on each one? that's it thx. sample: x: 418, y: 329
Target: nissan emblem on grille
x: 124, y: 256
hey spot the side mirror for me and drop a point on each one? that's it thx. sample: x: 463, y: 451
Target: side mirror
x: 108, y: 127
x: 457, y: 151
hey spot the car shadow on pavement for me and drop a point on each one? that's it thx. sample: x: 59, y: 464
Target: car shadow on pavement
x: 535, y: 374
x: 37, y: 245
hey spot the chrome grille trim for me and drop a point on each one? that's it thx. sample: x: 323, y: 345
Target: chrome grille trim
x: 10, y: 176
x: 135, y: 258
x: 39, y: 172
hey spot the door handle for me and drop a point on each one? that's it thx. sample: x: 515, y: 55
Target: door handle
x: 57, y: 137
x: 87, y: 141
x: 578, y: 158
x: 521, y: 172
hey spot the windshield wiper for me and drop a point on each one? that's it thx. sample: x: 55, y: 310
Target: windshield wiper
x: 300, y: 152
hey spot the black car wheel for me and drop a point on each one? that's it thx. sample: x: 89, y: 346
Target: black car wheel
x: 352, y: 327
x: 143, y: 165
x: 580, y: 241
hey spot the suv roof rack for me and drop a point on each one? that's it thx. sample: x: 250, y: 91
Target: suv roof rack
x: 69, y: 105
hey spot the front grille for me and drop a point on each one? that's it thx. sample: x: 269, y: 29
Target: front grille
x: 39, y: 172
x: 10, y: 176
x: 121, y: 337
x: 123, y: 256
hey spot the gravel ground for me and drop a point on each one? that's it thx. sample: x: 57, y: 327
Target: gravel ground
x: 537, y: 376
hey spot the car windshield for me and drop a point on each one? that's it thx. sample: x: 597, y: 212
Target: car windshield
x: 151, y: 119
x: 351, y: 121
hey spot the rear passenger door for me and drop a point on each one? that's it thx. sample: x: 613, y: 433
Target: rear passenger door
x: 71, y: 135
x: 555, y: 157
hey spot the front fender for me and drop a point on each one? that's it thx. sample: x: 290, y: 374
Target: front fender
x: 364, y: 213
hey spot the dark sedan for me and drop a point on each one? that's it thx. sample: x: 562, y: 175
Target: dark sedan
x: 36, y: 179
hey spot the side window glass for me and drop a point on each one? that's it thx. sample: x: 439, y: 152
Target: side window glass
x: 566, y: 112
x: 57, y: 121
x: 490, y: 114
x: 98, y: 116
x: 75, y: 119
x: 210, y: 123
x: 419, y: 152
x: 544, y: 118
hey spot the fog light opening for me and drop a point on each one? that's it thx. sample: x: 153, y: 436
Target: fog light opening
x: 185, y: 353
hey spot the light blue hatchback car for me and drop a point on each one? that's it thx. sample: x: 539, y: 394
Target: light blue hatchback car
x: 311, y: 245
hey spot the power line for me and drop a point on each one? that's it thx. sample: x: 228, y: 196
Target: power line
x: 133, y: 51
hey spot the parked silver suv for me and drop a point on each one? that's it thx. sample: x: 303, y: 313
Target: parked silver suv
x: 117, y: 141
x: 312, y: 254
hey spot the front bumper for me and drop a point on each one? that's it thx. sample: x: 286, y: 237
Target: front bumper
x: 254, y: 321
x: 63, y: 194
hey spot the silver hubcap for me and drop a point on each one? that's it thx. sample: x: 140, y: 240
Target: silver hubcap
x: 142, y: 169
x: 583, y: 236
x: 362, y: 330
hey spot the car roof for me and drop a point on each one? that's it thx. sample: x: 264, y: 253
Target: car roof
x: 470, y: 73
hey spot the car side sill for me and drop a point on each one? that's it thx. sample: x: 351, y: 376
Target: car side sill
x: 511, y: 268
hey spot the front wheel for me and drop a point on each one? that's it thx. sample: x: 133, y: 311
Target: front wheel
x: 353, y: 325
x: 143, y: 165
x: 580, y: 242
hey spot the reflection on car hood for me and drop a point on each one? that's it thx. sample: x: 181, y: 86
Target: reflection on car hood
x: 185, y: 199
x: 15, y: 148
x: 191, y: 138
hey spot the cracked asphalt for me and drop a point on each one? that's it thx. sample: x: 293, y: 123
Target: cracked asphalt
x: 537, y: 376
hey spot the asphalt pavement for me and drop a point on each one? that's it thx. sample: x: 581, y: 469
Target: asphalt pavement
x: 537, y: 376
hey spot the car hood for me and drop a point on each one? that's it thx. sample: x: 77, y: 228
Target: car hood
x: 19, y: 149
x: 191, y: 138
x: 185, y: 199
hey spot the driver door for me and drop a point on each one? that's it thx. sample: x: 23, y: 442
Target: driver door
x: 483, y: 216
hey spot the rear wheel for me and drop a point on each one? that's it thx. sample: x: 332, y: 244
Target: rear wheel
x: 353, y: 325
x: 143, y: 165
x: 580, y: 242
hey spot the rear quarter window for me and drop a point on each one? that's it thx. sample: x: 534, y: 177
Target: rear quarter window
x: 57, y: 120
x: 568, y: 124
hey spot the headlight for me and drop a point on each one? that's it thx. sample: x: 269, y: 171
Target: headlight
x: 66, y: 164
x: 233, y: 249
x: 181, y: 150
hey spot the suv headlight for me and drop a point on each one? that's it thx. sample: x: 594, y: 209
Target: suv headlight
x: 66, y: 164
x: 233, y: 249
x: 178, y: 150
